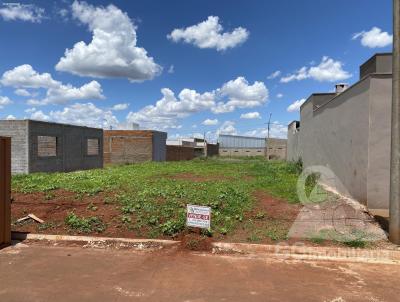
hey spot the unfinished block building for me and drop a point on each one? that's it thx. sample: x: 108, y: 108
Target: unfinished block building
x: 38, y: 146
x: 134, y: 146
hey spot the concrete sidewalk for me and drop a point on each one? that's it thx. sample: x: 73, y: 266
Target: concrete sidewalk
x: 48, y: 273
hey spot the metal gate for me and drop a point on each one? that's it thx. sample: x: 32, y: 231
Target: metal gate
x: 5, y: 191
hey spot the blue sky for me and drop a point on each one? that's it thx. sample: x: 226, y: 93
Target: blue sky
x: 209, y: 62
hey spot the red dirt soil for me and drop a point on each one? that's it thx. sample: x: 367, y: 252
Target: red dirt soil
x: 53, y: 211
x: 54, y: 207
x: 276, y: 208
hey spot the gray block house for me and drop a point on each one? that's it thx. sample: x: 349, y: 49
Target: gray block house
x: 38, y: 146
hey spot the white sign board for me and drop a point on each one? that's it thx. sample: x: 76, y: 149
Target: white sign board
x: 198, y: 216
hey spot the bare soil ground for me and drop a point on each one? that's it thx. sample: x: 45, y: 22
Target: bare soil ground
x: 268, y: 221
x: 55, y: 209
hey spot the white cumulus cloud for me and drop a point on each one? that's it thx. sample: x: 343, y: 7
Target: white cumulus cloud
x: 277, y: 130
x: 22, y: 92
x: 274, y: 75
x: 295, y: 106
x: 210, y: 122
x: 86, y: 114
x: 250, y: 115
x: 22, y: 12
x: 328, y: 70
x: 209, y: 34
x: 228, y: 127
x: 120, y: 107
x: 24, y: 76
x: 39, y: 116
x: 4, y: 100
x: 166, y: 112
x: 113, y: 51
x: 10, y: 117
x: 240, y: 94
x: 374, y: 38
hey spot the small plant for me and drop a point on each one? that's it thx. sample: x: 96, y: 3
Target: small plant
x: 317, y: 239
x: 108, y: 200
x: 92, y: 207
x: 172, y: 227
x: 276, y: 235
x: 254, y: 237
x: 126, y: 219
x: 85, y: 225
x: 49, y: 195
x: 260, y: 215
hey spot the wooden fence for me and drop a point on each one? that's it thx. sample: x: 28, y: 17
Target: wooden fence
x: 5, y: 191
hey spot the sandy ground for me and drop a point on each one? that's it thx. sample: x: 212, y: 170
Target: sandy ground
x: 48, y: 273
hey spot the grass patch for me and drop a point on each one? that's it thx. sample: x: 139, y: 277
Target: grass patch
x: 351, y: 238
x: 84, y: 225
x: 152, y: 199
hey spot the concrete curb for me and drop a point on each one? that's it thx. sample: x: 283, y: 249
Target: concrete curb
x: 302, y: 252
x: 98, y: 242
x: 278, y: 251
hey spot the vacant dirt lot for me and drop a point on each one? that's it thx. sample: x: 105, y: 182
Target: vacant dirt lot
x: 251, y: 200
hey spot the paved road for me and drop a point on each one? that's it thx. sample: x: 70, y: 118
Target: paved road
x: 47, y: 273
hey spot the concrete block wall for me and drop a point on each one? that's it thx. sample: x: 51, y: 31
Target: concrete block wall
x: 178, y: 153
x: 134, y: 146
x: 276, y: 149
x: 212, y: 149
x: 232, y: 152
x: 71, y: 146
x: 18, y: 131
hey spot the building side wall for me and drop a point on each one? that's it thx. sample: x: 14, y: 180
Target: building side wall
x: 212, y: 149
x: 159, y: 146
x: 293, y: 149
x: 133, y: 146
x: 72, y: 147
x: 379, y: 143
x: 240, y: 142
x: 233, y: 152
x: 336, y: 136
x: 276, y: 149
x: 178, y: 153
x: 18, y: 131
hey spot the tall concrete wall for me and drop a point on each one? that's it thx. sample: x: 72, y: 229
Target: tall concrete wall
x: 350, y: 134
x: 336, y: 136
x: 379, y: 63
x: 18, y: 131
x: 379, y: 142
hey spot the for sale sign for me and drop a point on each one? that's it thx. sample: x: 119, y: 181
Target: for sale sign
x: 198, y: 216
